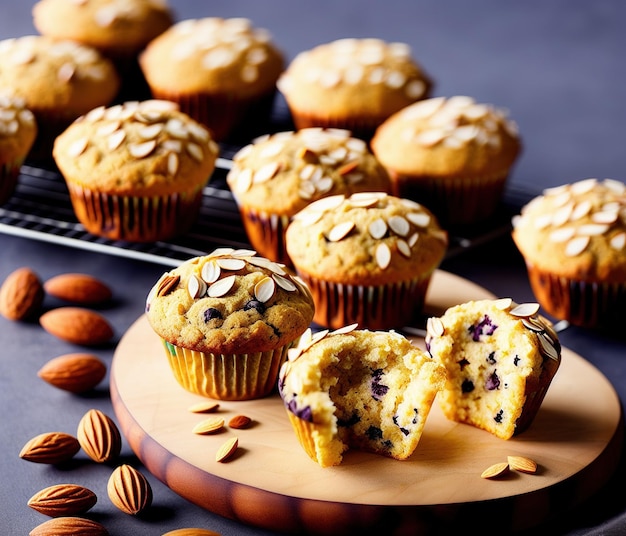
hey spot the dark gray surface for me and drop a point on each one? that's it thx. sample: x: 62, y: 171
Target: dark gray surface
x: 558, y: 66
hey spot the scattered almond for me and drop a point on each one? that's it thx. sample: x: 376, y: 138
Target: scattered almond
x: 77, y: 325
x: 76, y: 373
x: 204, y: 407
x: 21, y: 295
x: 209, y: 426
x: 129, y: 490
x: 191, y: 532
x: 69, y: 526
x: 51, y: 447
x: 240, y: 422
x: 496, y: 470
x: 78, y: 288
x: 63, y: 500
x: 227, y: 449
x: 522, y: 464
x: 99, y: 436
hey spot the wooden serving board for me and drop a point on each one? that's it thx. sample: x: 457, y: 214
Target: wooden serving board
x: 271, y: 483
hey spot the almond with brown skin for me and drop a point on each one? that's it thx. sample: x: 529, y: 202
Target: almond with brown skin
x: 77, y: 325
x: 99, y: 436
x: 51, y: 447
x: 78, y: 288
x: 69, y: 526
x: 129, y: 490
x: 192, y: 532
x: 21, y: 295
x: 239, y: 422
x: 76, y: 373
x: 63, y: 500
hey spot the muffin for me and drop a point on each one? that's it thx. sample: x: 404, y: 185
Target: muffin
x: 500, y: 359
x: 58, y: 81
x: 118, y: 29
x: 135, y: 171
x: 573, y: 240
x: 353, y: 84
x: 227, y: 320
x: 367, y: 258
x: 220, y: 71
x: 18, y: 130
x: 452, y: 154
x: 279, y: 174
x: 358, y: 389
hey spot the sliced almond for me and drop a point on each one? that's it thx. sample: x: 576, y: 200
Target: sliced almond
x: 204, y: 407
x: 264, y: 289
x: 209, y: 426
x: 522, y: 464
x: 227, y: 449
x: 141, y: 150
x: 222, y: 287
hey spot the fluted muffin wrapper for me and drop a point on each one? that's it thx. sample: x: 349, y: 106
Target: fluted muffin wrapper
x: 455, y: 201
x: 226, y: 376
x: 314, y: 438
x: 9, y: 175
x: 360, y: 127
x: 266, y: 233
x: 381, y: 307
x: 135, y: 218
x: 590, y: 304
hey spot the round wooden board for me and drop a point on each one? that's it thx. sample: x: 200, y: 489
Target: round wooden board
x: 271, y: 483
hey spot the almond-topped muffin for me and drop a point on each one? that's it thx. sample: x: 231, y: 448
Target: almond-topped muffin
x: 222, y: 72
x: 18, y: 130
x: 358, y: 389
x: 367, y: 258
x: 227, y: 320
x: 353, y: 84
x: 573, y: 240
x: 500, y: 359
x: 452, y: 154
x: 135, y: 171
x: 58, y: 81
x: 280, y: 174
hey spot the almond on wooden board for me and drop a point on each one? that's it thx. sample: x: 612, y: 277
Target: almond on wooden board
x: 99, y: 436
x: 129, y: 490
x: 76, y: 373
x: 69, y: 526
x: 78, y: 288
x: 50, y: 447
x: 63, y: 500
x: 77, y: 325
x: 21, y: 295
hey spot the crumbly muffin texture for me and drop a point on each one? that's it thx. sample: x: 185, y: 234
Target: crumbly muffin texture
x: 366, y: 78
x: 18, y: 129
x: 115, y: 27
x: 366, y: 239
x: 448, y: 137
x: 359, y: 389
x: 230, y: 301
x: 57, y: 76
x: 500, y: 359
x: 284, y: 172
x: 213, y: 55
x: 136, y: 148
x: 577, y: 231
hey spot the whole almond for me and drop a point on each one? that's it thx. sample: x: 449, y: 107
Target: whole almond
x: 99, y: 436
x: 78, y: 288
x: 21, y: 295
x: 63, y: 500
x: 129, y: 490
x: 77, y: 325
x: 522, y: 464
x: 76, y: 373
x: 227, y: 449
x: 209, y: 426
x: 204, y: 407
x: 239, y: 422
x: 69, y: 526
x: 51, y: 447
x: 191, y: 532
x: 496, y: 470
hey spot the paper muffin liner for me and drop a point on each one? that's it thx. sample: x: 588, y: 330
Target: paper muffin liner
x: 455, y: 201
x: 372, y: 307
x: 222, y: 114
x: 266, y: 233
x: 360, y: 127
x: 135, y: 218
x: 9, y: 174
x: 306, y: 433
x: 226, y: 376
x: 589, y: 304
